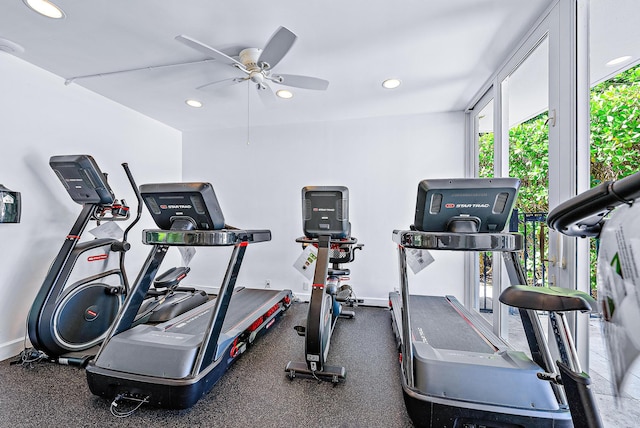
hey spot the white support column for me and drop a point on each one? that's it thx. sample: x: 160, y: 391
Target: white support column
x: 569, y: 145
x: 501, y: 169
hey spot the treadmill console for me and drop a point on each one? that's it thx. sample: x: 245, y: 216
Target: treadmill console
x: 82, y: 178
x: 325, y: 211
x: 466, y: 205
x: 183, y: 206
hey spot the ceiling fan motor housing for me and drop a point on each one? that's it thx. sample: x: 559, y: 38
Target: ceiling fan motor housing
x: 249, y: 58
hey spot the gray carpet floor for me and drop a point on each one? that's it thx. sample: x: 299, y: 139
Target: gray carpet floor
x: 254, y: 392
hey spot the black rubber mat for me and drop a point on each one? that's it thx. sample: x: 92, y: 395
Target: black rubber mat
x: 255, y: 392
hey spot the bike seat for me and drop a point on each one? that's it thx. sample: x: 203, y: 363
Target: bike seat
x: 552, y: 299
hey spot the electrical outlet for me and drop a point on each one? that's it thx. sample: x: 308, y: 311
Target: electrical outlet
x: 267, y: 283
x: 305, y: 286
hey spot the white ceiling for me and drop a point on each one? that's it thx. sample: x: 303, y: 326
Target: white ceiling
x: 442, y: 51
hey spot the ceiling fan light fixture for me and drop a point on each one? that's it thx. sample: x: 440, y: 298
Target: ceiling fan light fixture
x: 391, y: 83
x: 193, y: 103
x: 45, y: 8
x: 618, y: 61
x: 285, y: 94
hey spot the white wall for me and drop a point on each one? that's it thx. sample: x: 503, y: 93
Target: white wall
x: 41, y: 117
x: 380, y: 160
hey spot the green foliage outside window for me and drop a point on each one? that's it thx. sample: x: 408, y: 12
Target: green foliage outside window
x: 614, y: 146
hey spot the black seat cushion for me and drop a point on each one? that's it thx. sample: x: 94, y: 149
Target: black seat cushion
x: 554, y: 299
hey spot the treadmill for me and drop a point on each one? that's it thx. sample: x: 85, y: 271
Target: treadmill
x: 173, y: 363
x: 455, y: 371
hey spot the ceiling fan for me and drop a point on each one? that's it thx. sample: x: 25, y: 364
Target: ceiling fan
x: 256, y: 65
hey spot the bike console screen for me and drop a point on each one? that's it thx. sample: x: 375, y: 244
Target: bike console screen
x: 325, y: 211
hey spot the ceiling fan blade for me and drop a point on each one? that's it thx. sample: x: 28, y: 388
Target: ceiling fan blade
x: 277, y: 47
x: 304, y: 82
x: 209, y: 51
x: 266, y: 94
x: 222, y: 83
x: 130, y: 70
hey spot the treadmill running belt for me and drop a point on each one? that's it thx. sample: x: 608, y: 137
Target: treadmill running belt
x: 242, y: 304
x: 252, y: 299
x: 435, y: 321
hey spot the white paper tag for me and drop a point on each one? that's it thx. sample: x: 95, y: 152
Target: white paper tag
x: 418, y: 259
x: 187, y: 254
x: 108, y: 229
x: 306, y: 262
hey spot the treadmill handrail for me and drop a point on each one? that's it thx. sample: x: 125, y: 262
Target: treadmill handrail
x: 583, y: 214
x: 458, y: 241
x: 205, y: 238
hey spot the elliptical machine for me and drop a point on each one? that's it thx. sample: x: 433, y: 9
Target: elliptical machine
x: 325, y: 211
x: 85, y: 286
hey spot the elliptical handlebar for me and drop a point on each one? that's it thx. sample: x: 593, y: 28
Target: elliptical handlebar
x: 583, y: 214
x: 118, y: 210
x: 125, y: 246
x: 136, y: 191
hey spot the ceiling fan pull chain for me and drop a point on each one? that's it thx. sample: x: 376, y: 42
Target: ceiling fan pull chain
x: 248, y: 103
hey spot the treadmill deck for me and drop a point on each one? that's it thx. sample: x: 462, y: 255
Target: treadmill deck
x: 168, y: 350
x: 456, y: 357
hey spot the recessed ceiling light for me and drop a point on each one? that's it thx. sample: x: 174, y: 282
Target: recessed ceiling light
x: 46, y: 8
x: 619, y: 60
x: 391, y: 83
x: 283, y: 93
x: 194, y: 103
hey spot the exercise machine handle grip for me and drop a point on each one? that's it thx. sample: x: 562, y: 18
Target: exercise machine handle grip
x: 583, y: 214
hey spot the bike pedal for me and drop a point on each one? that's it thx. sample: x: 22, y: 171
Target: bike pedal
x: 344, y: 294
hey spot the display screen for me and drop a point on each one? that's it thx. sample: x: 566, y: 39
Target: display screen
x: 192, y: 206
x: 465, y: 205
x: 82, y: 178
x: 325, y: 211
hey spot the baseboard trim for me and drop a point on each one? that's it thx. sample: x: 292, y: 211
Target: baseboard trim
x: 11, y: 349
x: 377, y: 302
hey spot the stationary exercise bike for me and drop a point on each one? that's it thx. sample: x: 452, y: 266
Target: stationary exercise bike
x: 587, y: 215
x: 85, y: 286
x: 326, y: 225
